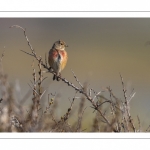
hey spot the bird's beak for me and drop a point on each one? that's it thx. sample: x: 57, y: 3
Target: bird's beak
x: 66, y: 45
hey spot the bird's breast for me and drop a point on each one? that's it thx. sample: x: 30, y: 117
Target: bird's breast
x: 58, y: 58
x: 59, y: 55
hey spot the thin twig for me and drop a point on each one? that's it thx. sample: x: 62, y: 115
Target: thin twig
x: 27, y: 52
x: 127, y: 105
x: 80, y: 119
x: 147, y: 128
x: 42, y: 94
x: 96, y: 95
x: 139, y: 123
x: 33, y: 90
x: 77, y: 79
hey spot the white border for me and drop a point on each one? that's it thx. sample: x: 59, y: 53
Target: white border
x: 75, y: 14
x: 52, y: 135
x: 75, y: 5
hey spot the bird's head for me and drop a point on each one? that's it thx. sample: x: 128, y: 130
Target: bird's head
x: 60, y: 45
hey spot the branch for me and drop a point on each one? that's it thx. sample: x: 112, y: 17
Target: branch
x: 82, y: 91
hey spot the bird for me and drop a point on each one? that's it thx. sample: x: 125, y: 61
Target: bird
x: 57, y: 58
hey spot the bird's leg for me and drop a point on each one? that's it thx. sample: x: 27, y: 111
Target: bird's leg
x: 54, y: 77
x: 58, y: 77
x: 50, y: 68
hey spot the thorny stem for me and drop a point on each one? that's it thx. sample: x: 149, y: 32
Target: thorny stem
x: 66, y: 116
x: 40, y: 78
x: 77, y: 79
x: 139, y: 123
x: 112, y: 107
x: 79, y: 120
x: 127, y: 105
x: 34, y: 84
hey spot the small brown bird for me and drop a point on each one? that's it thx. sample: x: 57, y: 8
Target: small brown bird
x: 58, y: 58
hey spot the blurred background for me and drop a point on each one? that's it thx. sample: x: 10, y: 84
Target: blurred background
x: 99, y: 49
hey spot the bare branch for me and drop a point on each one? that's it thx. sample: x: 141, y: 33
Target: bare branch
x: 139, y: 123
x: 77, y: 79
x: 27, y: 53
x: 96, y: 95
x: 126, y: 106
x: 42, y: 94
x: 33, y: 90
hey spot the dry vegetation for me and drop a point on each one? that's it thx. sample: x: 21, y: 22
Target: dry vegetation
x: 111, y: 114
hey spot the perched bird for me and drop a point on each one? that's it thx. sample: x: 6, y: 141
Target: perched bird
x: 58, y: 58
